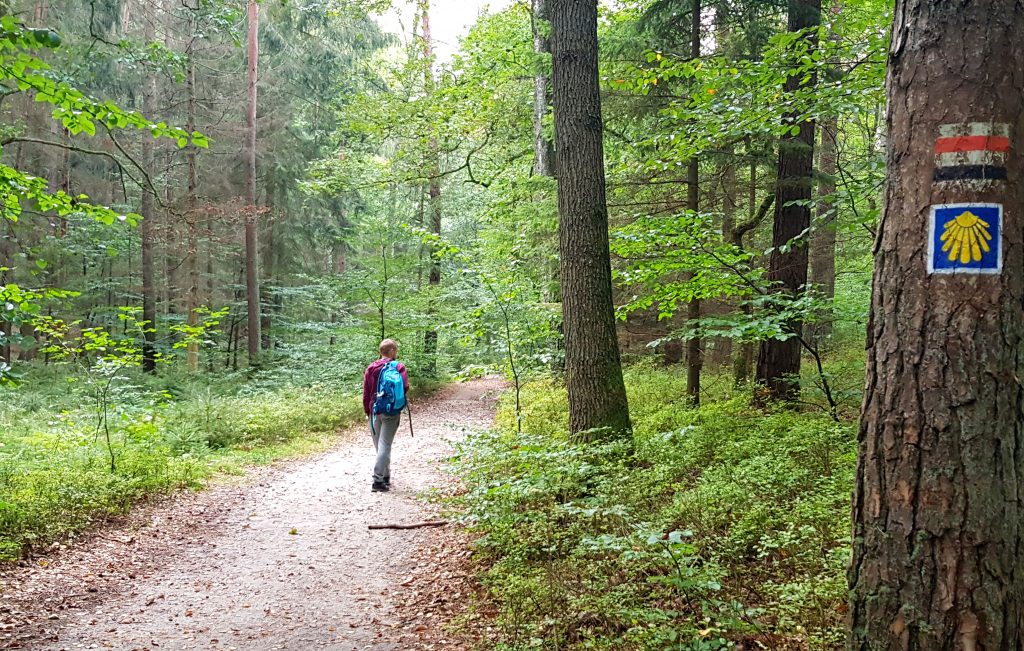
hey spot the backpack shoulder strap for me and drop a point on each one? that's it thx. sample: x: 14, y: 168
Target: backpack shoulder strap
x: 380, y: 375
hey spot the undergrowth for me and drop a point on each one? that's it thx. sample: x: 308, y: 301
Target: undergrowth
x: 167, y: 433
x: 718, y: 526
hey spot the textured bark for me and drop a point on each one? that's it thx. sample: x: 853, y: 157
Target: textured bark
x: 778, y: 364
x: 939, y: 502
x: 148, y: 228
x: 252, y: 249
x: 543, y: 147
x: 597, y: 394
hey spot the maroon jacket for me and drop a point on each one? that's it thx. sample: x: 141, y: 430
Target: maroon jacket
x: 370, y: 378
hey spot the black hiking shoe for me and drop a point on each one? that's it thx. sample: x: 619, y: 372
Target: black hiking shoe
x: 387, y: 482
x: 379, y: 487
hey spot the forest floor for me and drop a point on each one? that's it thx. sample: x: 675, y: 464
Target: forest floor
x: 281, y: 559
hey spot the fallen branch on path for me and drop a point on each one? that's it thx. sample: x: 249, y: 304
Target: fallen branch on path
x: 417, y: 525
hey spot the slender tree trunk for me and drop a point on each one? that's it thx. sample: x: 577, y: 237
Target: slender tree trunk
x: 723, y: 345
x: 252, y: 248
x: 543, y: 147
x: 938, y: 509
x: 544, y: 155
x: 6, y: 276
x: 597, y: 394
x: 694, y: 345
x: 744, y: 359
x: 434, y: 202
x: 823, y: 236
x: 778, y: 365
x: 148, y: 227
x: 269, y: 294
x: 192, y: 256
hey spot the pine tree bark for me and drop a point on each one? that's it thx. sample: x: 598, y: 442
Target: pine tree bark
x: 148, y: 227
x: 597, y: 394
x: 778, y: 365
x: 252, y: 249
x: 938, y: 509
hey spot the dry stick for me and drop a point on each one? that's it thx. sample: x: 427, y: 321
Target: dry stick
x: 418, y: 525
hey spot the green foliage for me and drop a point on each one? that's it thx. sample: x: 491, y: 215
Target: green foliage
x: 669, y: 261
x: 167, y: 433
x: 720, y: 526
x: 21, y: 71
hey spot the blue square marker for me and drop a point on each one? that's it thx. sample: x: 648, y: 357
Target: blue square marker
x: 966, y: 238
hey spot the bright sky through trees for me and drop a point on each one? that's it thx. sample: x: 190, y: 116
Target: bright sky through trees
x: 449, y: 20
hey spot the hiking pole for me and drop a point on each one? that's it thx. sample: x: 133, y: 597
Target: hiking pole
x: 409, y: 409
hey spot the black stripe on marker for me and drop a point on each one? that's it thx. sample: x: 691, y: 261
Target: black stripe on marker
x: 970, y: 173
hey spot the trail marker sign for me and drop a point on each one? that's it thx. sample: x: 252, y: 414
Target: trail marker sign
x: 965, y: 238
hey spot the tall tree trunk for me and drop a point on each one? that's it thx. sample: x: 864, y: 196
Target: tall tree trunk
x: 192, y: 256
x: 778, y: 365
x: 823, y: 236
x: 7, y: 251
x: 723, y: 353
x: 544, y: 156
x: 270, y: 296
x: 694, y: 345
x: 252, y: 249
x: 744, y: 359
x: 597, y: 394
x: 148, y: 228
x: 938, y: 509
x: 434, y: 279
x: 543, y: 147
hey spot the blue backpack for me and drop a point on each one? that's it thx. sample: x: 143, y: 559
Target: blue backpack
x: 390, y: 398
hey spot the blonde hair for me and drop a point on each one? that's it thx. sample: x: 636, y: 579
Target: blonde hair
x: 388, y: 348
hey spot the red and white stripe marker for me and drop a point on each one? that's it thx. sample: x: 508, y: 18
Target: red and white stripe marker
x: 972, y: 153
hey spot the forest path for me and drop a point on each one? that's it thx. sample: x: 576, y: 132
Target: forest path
x: 280, y: 560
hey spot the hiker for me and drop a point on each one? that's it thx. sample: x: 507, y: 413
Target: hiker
x: 385, y: 385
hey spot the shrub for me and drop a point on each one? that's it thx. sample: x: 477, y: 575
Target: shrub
x: 721, y: 525
x: 168, y: 432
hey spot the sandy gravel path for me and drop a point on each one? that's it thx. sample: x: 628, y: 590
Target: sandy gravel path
x: 282, y: 560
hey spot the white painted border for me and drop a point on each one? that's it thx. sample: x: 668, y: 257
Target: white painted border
x: 964, y: 272
x: 958, y: 129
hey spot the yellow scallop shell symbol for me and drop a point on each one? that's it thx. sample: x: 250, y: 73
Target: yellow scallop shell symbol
x: 966, y: 237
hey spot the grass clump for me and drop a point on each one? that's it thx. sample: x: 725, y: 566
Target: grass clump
x: 718, y: 526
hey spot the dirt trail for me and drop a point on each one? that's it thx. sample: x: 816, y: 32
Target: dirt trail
x: 283, y: 560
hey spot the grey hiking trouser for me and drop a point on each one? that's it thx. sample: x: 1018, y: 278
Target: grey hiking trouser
x: 383, y: 430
